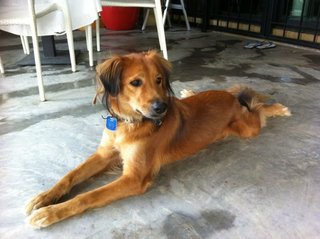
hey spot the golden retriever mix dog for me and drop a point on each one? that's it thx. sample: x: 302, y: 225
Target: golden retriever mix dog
x: 149, y: 128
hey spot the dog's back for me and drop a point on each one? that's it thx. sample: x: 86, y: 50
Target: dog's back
x: 196, y: 121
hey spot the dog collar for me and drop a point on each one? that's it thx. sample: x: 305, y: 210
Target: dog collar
x: 112, y: 121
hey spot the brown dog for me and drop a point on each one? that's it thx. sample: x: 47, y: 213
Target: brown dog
x: 153, y: 129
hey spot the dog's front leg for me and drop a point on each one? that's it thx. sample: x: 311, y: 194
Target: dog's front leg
x: 125, y: 186
x: 93, y: 165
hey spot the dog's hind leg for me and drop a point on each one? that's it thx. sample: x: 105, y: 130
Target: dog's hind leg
x: 93, y: 165
x: 254, y: 102
x: 247, y: 125
x: 275, y: 110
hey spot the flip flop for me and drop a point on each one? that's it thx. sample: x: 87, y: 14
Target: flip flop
x: 252, y: 44
x: 267, y: 45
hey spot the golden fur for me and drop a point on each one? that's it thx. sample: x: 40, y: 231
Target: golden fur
x: 154, y: 129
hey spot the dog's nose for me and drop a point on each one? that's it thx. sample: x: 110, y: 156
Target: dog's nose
x: 159, y: 107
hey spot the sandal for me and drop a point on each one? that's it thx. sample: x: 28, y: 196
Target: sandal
x: 267, y: 45
x: 252, y: 44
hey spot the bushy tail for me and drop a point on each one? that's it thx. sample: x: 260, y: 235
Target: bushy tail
x: 248, y: 97
x: 256, y: 103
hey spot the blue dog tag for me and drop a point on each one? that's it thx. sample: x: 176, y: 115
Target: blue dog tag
x: 111, y: 123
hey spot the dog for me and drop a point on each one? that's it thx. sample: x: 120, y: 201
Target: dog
x: 148, y: 128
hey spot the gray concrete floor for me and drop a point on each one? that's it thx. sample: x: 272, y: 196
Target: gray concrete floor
x: 267, y: 187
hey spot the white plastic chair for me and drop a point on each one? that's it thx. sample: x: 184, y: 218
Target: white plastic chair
x: 169, y: 5
x: 17, y: 19
x: 23, y: 17
x: 181, y: 7
x: 16, y: 14
x: 154, y: 4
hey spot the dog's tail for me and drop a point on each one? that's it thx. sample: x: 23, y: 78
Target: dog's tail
x: 256, y: 104
x: 249, y: 98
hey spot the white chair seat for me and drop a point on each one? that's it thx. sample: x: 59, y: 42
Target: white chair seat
x: 15, y: 19
x: 19, y: 16
x: 50, y: 20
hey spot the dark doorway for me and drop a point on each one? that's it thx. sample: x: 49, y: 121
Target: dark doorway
x: 291, y: 21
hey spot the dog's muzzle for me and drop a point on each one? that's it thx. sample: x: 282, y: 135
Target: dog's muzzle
x: 158, y: 108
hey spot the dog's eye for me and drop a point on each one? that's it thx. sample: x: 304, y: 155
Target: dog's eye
x: 136, y: 82
x: 159, y: 80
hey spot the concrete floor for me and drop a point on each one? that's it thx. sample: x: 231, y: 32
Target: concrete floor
x: 267, y: 187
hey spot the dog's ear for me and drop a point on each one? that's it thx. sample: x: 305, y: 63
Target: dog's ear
x: 108, y: 78
x: 164, y: 66
x: 109, y: 73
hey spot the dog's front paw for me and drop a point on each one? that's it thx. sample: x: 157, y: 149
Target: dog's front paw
x: 43, y: 217
x: 186, y: 93
x: 41, y: 200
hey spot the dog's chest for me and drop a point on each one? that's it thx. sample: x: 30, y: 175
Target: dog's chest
x: 127, y: 147
x: 119, y: 141
x: 129, y: 142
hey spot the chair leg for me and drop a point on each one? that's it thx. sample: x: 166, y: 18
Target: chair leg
x: 165, y: 13
x: 160, y: 28
x: 1, y: 66
x: 185, y: 14
x: 169, y: 21
x: 89, y: 43
x: 87, y: 37
x: 37, y: 61
x: 71, y: 50
x: 23, y: 44
x: 145, y: 20
x: 98, y: 34
x: 26, y: 42
x: 68, y: 25
x: 38, y: 67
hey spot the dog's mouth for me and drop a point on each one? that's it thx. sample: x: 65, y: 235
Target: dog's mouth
x: 152, y: 116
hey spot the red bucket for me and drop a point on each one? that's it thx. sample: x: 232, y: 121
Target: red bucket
x: 120, y: 18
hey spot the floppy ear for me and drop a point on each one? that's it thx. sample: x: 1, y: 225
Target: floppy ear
x: 165, y: 68
x: 108, y: 78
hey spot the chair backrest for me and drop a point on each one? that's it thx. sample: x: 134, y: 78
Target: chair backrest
x: 17, y: 16
x: 11, y: 12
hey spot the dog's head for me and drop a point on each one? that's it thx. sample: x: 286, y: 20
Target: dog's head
x: 135, y: 86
